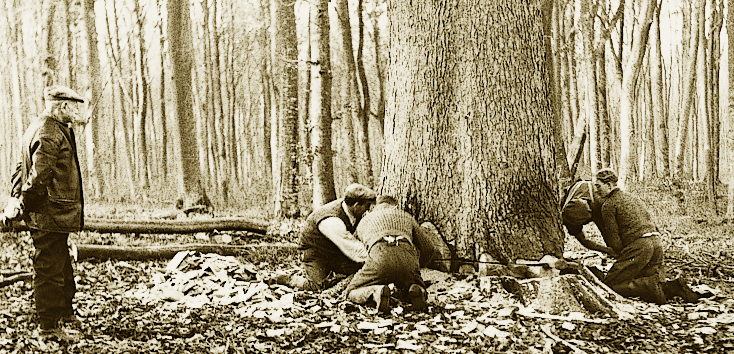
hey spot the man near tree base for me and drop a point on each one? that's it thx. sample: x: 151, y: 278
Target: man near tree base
x: 47, y: 194
x: 630, y: 236
x: 328, y: 241
x: 397, y: 248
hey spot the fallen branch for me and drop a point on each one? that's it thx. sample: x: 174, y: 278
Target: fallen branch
x: 15, y: 278
x: 183, y: 226
x: 102, y: 252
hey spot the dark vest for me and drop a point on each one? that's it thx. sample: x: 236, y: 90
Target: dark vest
x: 312, y: 238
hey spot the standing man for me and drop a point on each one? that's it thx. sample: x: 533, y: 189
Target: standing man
x: 398, y: 247
x: 328, y: 241
x: 47, y: 194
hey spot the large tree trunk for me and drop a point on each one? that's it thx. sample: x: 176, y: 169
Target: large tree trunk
x: 323, y: 164
x: 469, y: 126
x: 287, y: 53
x: 179, y: 34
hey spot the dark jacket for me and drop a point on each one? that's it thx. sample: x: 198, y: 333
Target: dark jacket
x: 312, y: 238
x: 48, y: 177
x: 624, y: 220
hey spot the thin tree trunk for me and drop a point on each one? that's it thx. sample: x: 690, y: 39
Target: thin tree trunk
x: 94, y: 144
x: 730, y: 113
x: 162, y: 96
x: 660, y: 120
x: 354, y: 114
x: 587, y: 28
x: 687, y: 93
x: 181, y: 51
x: 629, y: 82
x: 323, y: 168
x: 287, y: 54
x: 366, y: 108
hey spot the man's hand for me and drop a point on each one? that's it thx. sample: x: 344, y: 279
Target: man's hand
x: 13, y: 210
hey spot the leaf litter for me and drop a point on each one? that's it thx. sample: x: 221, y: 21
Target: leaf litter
x: 219, y: 304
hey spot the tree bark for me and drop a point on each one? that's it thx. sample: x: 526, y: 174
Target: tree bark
x: 181, y: 53
x: 182, y: 226
x: 287, y: 54
x: 730, y: 113
x: 323, y: 168
x: 660, y: 120
x: 469, y: 126
x: 366, y: 104
x: 633, y: 62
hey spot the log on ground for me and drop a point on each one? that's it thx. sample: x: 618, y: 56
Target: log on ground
x: 102, y: 252
x: 183, y: 226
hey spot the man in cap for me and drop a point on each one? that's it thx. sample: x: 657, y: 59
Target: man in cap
x: 633, y: 239
x: 47, y: 194
x: 328, y: 242
x: 397, y: 248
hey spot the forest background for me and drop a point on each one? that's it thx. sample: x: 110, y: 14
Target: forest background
x: 246, y: 130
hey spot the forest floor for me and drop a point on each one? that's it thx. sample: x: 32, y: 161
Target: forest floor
x: 121, y: 311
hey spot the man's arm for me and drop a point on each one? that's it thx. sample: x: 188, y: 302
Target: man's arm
x: 423, y: 243
x: 593, y: 245
x: 335, y: 230
x: 610, y: 230
x: 44, y: 155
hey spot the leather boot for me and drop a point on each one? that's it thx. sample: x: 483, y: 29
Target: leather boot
x: 417, y: 297
x: 379, y: 294
x: 678, y: 287
x: 648, y: 289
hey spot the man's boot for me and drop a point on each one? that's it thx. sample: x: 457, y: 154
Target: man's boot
x: 379, y: 294
x: 648, y: 289
x: 678, y: 287
x: 417, y: 297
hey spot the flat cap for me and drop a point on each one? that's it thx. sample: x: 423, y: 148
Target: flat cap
x: 606, y: 175
x: 61, y: 93
x: 358, y: 191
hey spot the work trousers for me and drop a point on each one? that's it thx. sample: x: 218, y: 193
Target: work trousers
x: 387, y: 263
x: 641, y: 258
x: 53, y: 285
x: 318, y: 267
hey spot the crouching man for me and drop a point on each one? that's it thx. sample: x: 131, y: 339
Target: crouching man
x: 397, y: 248
x: 327, y: 240
x: 630, y: 236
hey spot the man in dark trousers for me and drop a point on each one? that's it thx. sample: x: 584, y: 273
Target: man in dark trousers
x: 328, y: 242
x: 630, y: 236
x: 397, y: 248
x: 47, y: 194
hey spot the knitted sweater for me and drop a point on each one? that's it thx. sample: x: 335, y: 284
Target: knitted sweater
x: 624, y: 219
x: 391, y: 221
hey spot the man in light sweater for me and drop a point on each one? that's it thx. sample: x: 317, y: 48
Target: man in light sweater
x: 327, y: 240
x: 398, y: 247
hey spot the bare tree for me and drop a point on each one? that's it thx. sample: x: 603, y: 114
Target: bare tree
x: 179, y: 36
x: 287, y: 54
x: 323, y: 168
